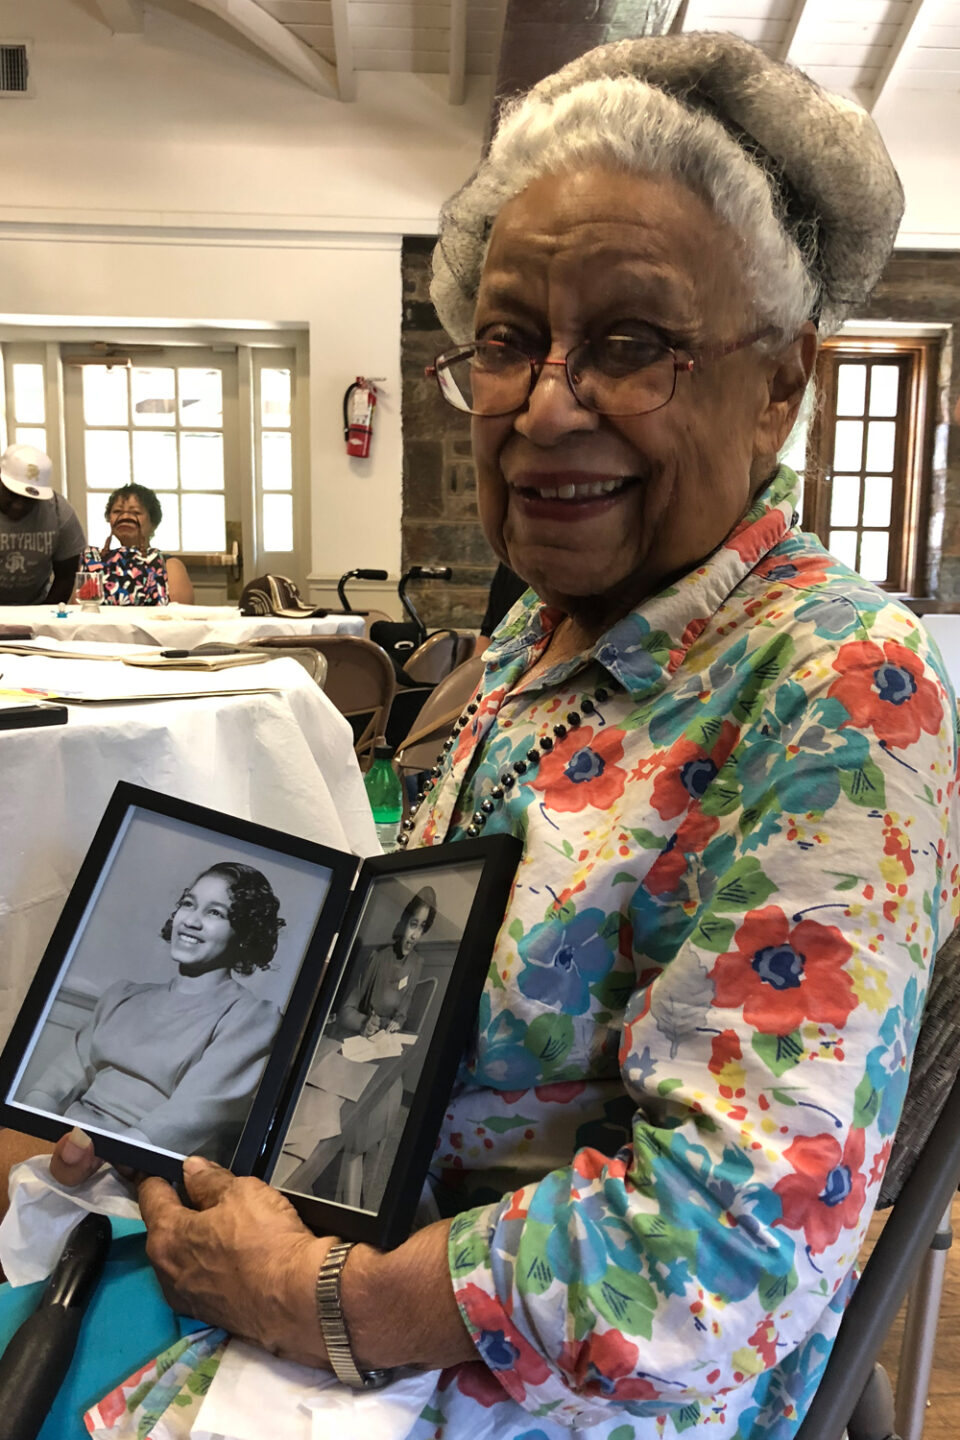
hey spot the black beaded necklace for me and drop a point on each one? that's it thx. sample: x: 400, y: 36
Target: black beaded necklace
x: 508, y: 778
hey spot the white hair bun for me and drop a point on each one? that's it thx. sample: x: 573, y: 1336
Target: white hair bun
x: 835, y: 192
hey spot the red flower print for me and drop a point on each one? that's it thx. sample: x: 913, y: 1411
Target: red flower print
x: 887, y: 691
x: 825, y: 1195
x: 582, y: 770
x: 490, y: 704
x: 502, y: 1348
x: 476, y: 1381
x: 798, y: 571
x: 688, y: 770
x: 782, y: 975
x: 666, y: 872
x: 753, y: 538
x: 603, y: 1365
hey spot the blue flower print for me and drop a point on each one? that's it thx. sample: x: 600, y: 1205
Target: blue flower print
x: 887, y: 1070
x: 894, y: 684
x: 562, y: 959
x: 584, y: 764
x: 496, y: 1351
x: 779, y: 966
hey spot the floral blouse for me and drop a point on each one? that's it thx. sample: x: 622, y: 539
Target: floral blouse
x: 695, y: 1036
x: 130, y: 577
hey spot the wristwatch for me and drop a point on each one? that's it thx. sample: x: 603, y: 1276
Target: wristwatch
x: 333, y: 1326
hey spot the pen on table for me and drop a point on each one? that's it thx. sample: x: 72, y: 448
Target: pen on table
x: 174, y: 654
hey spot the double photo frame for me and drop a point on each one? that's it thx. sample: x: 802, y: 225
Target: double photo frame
x: 215, y: 987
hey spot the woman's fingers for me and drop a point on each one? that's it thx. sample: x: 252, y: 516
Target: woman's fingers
x: 206, y: 1182
x: 73, y: 1159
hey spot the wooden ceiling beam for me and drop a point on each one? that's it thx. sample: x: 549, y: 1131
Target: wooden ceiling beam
x: 458, y: 52
x: 908, y: 38
x: 275, y: 40
x: 123, y: 17
x: 800, y: 9
x: 343, y: 50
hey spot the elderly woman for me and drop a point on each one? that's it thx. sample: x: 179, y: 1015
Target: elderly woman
x: 175, y: 1065
x: 134, y: 572
x: 732, y: 763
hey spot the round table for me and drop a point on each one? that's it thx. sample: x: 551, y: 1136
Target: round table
x: 279, y: 754
x: 175, y: 627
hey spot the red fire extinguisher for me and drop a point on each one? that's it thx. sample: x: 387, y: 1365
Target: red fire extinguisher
x: 358, y: 402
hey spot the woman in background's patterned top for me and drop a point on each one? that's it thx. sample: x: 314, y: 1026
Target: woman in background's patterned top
x: 134, y: 573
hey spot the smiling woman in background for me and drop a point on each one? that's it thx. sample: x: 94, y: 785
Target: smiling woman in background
x: 134, y: 573
x: 731, y: 761
x: 175, y: 1064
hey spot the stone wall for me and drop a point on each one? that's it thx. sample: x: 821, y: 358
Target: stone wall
x: 440, y: 525
x: 922, y: 287
x: 439, y: 488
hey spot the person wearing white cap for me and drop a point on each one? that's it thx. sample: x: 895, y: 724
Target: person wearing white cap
x: 40, y: 535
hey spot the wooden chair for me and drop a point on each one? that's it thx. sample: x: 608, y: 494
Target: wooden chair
x: 360, y: 681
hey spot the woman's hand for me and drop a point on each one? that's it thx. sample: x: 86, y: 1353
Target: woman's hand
x: 73, y: 1159
x: 243, y: 1259
x: 393, y: 1027
x: 371, y: 1027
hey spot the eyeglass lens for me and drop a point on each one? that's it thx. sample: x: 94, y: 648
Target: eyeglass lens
x: 617, y: 375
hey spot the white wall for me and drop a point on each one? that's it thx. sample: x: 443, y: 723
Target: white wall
x: 179, y: 175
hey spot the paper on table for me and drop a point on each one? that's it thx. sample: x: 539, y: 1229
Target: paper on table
x: 317, y: 1118
x: 254, y: 1394
x: 377, y: 1047
x: 341, y: 1077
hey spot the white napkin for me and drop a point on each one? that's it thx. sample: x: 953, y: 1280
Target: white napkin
x: 254, y: 1394
x: 42, y: 1213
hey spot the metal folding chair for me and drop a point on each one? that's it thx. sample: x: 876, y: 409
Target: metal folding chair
x: 921, y: 1179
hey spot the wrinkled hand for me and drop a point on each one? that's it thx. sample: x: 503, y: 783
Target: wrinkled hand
x: 243, y: 1260
x: 371, y: 1027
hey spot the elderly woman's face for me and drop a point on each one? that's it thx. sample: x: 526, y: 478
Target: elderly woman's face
x: 200, y: 930
x: 572, y: 258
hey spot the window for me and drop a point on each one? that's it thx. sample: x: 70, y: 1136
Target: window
x: 160, y: 425
x: 869, y: 473
x: 273, y: 439
x: 213, y: 421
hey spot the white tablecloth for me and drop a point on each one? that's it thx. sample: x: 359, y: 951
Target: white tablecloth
x: 175, y: 627
x: 283, y: 759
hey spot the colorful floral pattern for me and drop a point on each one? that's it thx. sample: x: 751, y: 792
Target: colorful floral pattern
x: 130, y: 577
x: 694, y: 1039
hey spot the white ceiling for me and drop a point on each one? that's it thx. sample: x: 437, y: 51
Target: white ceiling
x: 865, y: 48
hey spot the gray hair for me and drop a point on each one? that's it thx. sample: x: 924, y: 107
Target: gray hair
x: 800, y: 175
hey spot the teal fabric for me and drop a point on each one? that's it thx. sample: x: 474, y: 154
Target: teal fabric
x: 127, y: 1323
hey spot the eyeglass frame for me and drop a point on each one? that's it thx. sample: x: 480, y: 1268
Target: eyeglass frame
x: 712, y: 352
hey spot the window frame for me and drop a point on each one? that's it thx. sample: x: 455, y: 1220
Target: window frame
x: 917, y: 357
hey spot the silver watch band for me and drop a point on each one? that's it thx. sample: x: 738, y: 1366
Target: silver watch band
x: 333, y: 1327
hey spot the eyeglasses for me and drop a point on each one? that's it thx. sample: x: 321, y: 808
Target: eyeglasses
x: 614, y: 375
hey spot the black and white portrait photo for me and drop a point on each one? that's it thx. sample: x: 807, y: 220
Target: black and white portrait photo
x: 172, y: 991
x: 344, y: 1133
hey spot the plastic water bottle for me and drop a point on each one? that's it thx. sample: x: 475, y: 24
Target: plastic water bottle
x: 382, y: 784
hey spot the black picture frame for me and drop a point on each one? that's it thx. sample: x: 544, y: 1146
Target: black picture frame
x: 484, y: 867
x: 105, y: 998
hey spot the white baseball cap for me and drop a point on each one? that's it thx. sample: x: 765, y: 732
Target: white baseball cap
x: 26, y: 471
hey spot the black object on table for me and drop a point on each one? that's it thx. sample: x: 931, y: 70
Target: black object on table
x: 38, y: 1356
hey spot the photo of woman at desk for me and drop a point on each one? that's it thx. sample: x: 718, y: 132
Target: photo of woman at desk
x: 345, y: 1132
